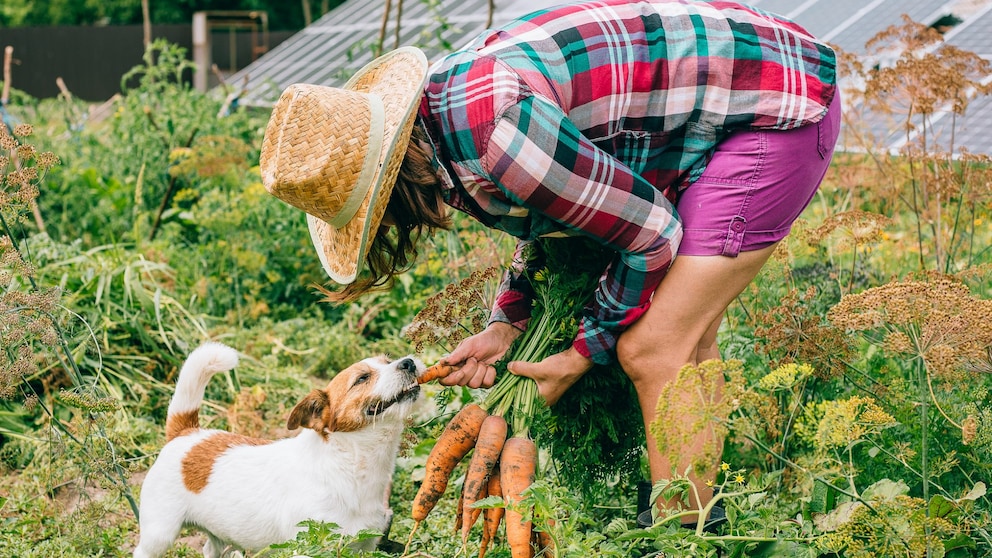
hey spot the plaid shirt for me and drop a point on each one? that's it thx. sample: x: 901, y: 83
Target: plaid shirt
x: 590, y: 118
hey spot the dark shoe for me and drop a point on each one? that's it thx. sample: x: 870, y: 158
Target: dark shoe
x: 718, y: 516
x: 387, y: 545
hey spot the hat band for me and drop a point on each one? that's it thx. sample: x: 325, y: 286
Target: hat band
x: 377, y: 127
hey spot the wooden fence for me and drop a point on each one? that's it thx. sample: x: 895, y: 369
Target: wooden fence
x: 92, y: 60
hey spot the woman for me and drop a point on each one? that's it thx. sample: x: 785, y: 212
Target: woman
x: 655, y: 127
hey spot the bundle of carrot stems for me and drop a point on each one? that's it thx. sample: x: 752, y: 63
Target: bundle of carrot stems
x: 498, y: 429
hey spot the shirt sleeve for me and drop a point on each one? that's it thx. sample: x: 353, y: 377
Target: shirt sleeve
x: 539, y: 159
x: 515, y: 295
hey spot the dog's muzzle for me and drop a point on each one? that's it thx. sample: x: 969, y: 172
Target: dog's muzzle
x: 409, y: 369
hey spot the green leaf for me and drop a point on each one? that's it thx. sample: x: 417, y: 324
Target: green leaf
x: 977, y: 492
x: 833, y: 520
x: 959, y: 542
x: 780, y: 549
x: 885, y: 489
x: 940, y: 506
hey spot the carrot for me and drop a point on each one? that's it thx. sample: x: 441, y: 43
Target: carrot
x: 491, y: 517
x: 452, y: 445
x: 436, y: 372
x: 459, y: 513
x: 517, y: 468
x: 542, y: 538
x: 492, y: 436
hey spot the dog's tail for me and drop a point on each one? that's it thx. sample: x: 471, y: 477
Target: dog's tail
x: 184, y: 409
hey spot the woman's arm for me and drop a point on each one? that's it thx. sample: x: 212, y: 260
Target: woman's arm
x: 542, y: 161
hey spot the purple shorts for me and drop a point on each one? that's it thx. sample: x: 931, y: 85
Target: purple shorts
x: 755, y: 187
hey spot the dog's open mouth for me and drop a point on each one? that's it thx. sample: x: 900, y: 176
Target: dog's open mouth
x: 380, y: 406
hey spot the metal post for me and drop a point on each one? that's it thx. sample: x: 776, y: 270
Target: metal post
x: 201, y: 51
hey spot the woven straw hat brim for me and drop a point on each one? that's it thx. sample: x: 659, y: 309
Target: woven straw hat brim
x: 335, y: 153
x: 397, y: 78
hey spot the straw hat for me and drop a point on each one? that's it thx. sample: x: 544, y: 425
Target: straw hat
x: 335, y: 153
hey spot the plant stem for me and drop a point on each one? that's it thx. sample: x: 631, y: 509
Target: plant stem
x: 921, y: 373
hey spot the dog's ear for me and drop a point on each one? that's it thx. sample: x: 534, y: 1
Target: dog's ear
x: 312, y: 413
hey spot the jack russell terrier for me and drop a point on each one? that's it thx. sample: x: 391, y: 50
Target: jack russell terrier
x: 249, y: 493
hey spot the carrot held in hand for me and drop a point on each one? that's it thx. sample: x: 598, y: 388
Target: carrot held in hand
x: 452, y: 445
x: 492, y: 436
x: 517, y: 469
x: 436, y: 372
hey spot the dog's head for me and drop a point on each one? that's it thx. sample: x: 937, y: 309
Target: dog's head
x: 372, y: 391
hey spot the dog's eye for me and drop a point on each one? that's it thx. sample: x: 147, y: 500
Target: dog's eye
x: 362, y: 379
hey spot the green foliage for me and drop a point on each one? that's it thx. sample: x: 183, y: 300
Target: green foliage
x: 321, y: 540
x: 858, y: 395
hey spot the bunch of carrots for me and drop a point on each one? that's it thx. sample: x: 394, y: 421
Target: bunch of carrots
x: 504, y: 461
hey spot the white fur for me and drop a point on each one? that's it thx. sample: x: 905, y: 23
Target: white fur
x: 258, y: 495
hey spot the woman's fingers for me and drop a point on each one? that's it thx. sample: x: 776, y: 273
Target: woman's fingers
x: 472, y: 373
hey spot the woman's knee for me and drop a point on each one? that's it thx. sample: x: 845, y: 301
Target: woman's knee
x: 644, y: 359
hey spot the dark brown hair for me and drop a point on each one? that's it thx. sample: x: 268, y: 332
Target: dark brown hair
x: 415, y: 208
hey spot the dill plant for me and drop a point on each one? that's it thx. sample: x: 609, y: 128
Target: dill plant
x: 33, y: 344
x: 941, y: 186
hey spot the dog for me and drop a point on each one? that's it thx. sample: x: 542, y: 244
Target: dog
x: 248, y: 493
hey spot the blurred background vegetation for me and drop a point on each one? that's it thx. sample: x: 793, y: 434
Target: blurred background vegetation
x: 858, y: 411
x: 283, y: 14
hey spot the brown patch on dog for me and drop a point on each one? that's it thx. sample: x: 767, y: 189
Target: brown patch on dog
x: 342, y: 405
x: 312, y: 412
x: 181, y: 423
x: 198, y: 463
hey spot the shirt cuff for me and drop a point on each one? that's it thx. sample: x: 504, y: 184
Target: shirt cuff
x: 598, y: 341
x: 512, y: 307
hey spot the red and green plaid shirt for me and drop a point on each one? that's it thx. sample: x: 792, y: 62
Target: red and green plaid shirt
x: 590, y: 118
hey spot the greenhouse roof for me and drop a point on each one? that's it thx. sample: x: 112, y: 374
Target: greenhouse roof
x: 339, y: 43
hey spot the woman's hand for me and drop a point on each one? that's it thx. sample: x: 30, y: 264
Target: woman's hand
x: 475, y: 356
x: 555, y: 374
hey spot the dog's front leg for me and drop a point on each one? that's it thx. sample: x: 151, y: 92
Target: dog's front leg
x: 216, y: 548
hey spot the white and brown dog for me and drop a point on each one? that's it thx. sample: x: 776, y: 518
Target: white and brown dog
x: 249, y: 493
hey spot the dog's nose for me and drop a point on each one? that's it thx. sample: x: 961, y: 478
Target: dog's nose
x: 407, y: 366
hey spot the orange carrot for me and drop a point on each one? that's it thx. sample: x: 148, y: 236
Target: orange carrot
x: 452, y: 445
x: 517, y: 468
x: 436, y: 372
x: 491, y: 517
x: 459, y: 513
x: 492, y: 436
x: 542, y: 539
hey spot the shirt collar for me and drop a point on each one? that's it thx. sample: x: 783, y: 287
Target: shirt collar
x: 441, y: 170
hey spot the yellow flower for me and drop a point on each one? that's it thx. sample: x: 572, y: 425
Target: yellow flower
x: 785, y: 376
x: 739, y: 479
x: 725, y: 466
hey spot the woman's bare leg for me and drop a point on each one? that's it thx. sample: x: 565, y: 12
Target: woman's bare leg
x: 679, y: 328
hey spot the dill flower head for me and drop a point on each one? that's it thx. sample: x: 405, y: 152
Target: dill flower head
x: 785, y: 376
x: 459, y: 310
x: 23, y: 130
x: 937, y: 320
x: 7, y: 142
x: 795, y: 331
x: 696, y: 394
x: 969, y: 429
x: 841, y: 422
x: 47, y: 160
x: 88, y: 401
x: 858, y: 229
